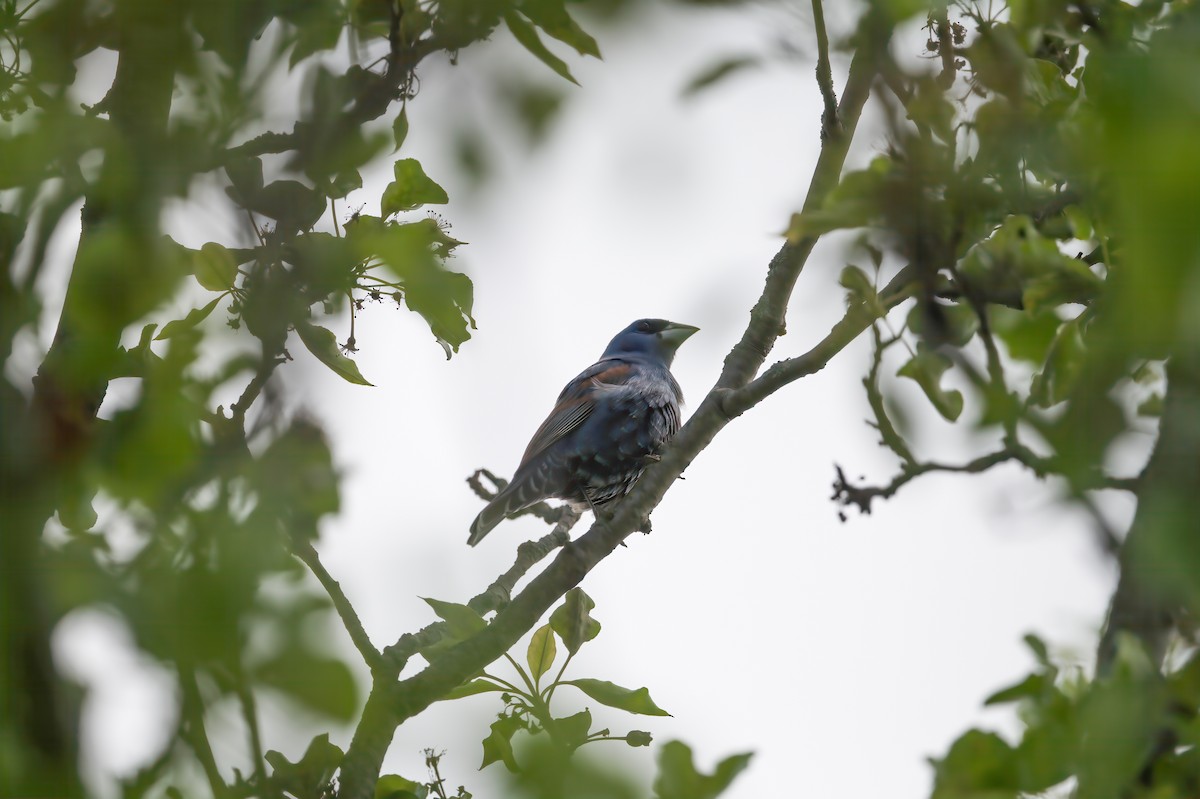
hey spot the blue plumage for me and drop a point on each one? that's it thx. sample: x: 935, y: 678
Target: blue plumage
x: 608, y: 424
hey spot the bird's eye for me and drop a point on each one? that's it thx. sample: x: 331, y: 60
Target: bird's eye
x: 643, y: 327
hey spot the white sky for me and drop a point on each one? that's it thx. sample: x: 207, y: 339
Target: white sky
x: 751, y: 613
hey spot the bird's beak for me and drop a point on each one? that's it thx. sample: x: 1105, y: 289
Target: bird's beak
x: 675, y: 334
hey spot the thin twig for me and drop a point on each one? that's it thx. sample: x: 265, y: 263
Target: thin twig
x: 196, y: 735
x: 245, y: 697
x: 341, y: 604
x: 830, y: 122
x: 857, y: 319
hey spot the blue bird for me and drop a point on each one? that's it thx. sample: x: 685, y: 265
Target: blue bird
x: 609, y: 423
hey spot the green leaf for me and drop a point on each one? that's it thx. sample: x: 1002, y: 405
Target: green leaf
x: 527, y: 35
x: 552, y: 17
x: 319, y: 683
x: 413, y: 252
x: 1064, y: 363
x: 717, y: 72
x: 312, y: 774
x: 861, y: 290
x: 678, y: 778
x: 290, y: 203
x: 977, y: 762
x: 411, y: 189
x: 393, y: 786
x: 462, y: 619
x: 958, y: 322
x: 1031, y: 686
x: 572, y: 620
x: 498, y: 745
x: 323, y: 344
x: 400, y: 127
x: 574, y: 729
x: 194, y: 317
x: 855, y: 202
x: 214, y: 267
x: 343, y: 183
x: 246, y: 175
x: 1081, y: 224
x: 542, y: 651
x: 472, y: 688
x: 316, y: 32
x: 1026, y: 336
x: 1038, y: 647
x: 606, y: 693
x: 927, y: 368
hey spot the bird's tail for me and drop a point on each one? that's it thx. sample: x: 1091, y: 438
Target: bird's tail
x: 520, y: 493
x: 487, y: 519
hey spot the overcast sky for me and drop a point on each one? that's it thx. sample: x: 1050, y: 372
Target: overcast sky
x: 843, y: 654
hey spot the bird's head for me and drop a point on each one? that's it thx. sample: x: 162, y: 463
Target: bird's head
x: 654, y: 337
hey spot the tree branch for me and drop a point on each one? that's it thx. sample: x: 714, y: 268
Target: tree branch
x: 767, y: 317
x: 830, y: 123
x: 391, y: 703
x: 1158, y: 557
x: 350, y: 620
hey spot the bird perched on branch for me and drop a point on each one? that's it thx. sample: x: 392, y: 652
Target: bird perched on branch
x: 609, y: 424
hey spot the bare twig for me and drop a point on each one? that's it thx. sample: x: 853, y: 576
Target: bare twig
x: 350, y: 620
x: 883, y: 423
x: 862, y: 496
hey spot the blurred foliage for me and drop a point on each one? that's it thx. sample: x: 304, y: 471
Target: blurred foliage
x: 1037, y: 191
x: 1038, y: 195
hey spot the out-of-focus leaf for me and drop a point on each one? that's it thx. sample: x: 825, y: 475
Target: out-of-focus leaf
x: 498, y: 745
x: 393, y: 786
x: 607, y: 693
x: 1064, y: 363
x: 193, y: 318
x: 572, y: 620
x: 527, y: 35
x: 411, y: 189
x: 552, y: 17
x: 214, y: 267
x: 290, y: 203
x: 1019, y: 267
x: 678, y: 778
x: 715, y: 73
x: 574, y: 729
x: 312, y: 774
x: 542, y: 651
x: 323, y: 344
x: 324, y: 263
x: 319, y: 683
x: 958, y: 322
x: 1031, y: 686
x: 400, y: 127
x: 978, y: 764
x: 1026, y: 336
x: 927, y: 368
x: 855, y: 202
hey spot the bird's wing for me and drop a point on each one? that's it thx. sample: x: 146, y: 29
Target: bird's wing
x: 576, y: 402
